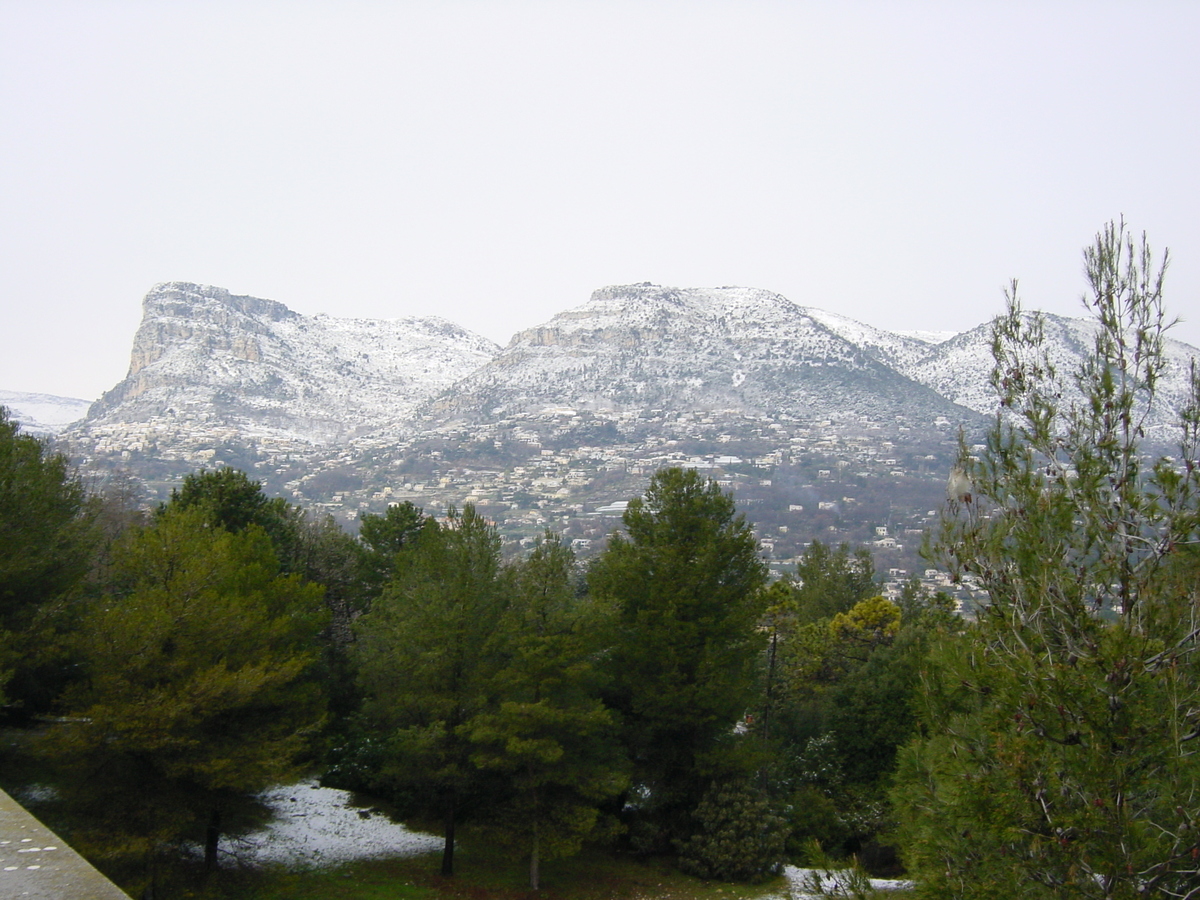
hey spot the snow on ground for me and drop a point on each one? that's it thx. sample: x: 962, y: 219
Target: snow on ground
x: 799, y: 881
x: 318, y: 826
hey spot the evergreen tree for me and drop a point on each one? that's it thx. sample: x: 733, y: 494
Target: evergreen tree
x: 313, y: 547
x: 839, y: 701
x: 427, y: 664
x: 550, y: 735
x: 687, y: 582
x: 381, y: 538
x: 1058, y: 757
x: 739, y: 836
x: 195, y: 688
x: 230, y: 499
x: 47, y: 542
x: 830, y: 581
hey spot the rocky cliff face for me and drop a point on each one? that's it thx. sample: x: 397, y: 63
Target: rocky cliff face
x: 204, y: 354
x: 643, y: 347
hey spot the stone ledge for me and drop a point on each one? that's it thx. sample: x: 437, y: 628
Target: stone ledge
x: 35, y: 864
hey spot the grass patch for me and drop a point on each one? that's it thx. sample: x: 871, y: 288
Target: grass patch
x: 482, y: 871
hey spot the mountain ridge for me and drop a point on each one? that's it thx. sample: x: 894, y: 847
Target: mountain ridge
x: 644, y: 346
x: 203, y: 358
x: 223, y: 358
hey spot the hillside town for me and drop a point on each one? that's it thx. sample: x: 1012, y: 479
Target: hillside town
x: 863, y: 481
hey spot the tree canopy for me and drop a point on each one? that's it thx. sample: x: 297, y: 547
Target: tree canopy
x: 426, y: 664
x: 46, y: 543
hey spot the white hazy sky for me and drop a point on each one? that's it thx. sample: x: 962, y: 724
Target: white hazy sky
x: 495, y: 161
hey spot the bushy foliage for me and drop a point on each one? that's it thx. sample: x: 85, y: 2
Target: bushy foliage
x: 195, y: 687
x: 426, y: 665
x: 548, y: 732
x: 739, y: 835
x: 686, y: 582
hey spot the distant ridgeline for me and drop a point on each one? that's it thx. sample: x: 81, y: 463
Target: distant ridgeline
x: 819, y: 424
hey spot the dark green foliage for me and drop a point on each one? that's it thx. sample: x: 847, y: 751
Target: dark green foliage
x: 549, y: 734
x: 738, y: 837
x: 46, y: 543
x: 870, y: 709
x: 815, y: 815
x: 427, y: 665
x: 841, y: 690
x: 686, y: 581
x: 228, y: 498
x: 382, y: 537
x: 196, y: 687
x: 1057, y: 756
x: 327, y: 556
x: 315, y: 548
x: 829, y: 582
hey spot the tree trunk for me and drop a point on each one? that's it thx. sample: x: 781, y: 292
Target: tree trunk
x: 448, y: 850
x: 767, y: 708
x: 212, y: 837
x: 534, y: 863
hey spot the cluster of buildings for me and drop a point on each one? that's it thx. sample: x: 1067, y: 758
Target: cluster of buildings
x: 866, y: 481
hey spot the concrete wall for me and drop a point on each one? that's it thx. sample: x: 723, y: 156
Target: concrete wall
x: 35, y: 864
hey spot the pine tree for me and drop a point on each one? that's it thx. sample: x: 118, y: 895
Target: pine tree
x: 1059, y: 757
x: 195, y: 689
x: 427, y: 664
x: 382, y: 537
x: 739, y: 836
x: 47, y: 541
x: 687, y: 584
x: 550, y: 735
x: 830, y: 581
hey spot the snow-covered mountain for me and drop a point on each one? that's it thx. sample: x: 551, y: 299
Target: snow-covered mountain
x: 43, y: 414
x: 960, y: 368
x: 209, y: 357
x: 644, y: 347
x: 209, y: 368
x: 898, y: 350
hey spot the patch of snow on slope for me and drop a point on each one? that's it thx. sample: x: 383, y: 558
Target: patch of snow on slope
x: 43, y: 414
x: 895, y: 349
x: 929, y: 337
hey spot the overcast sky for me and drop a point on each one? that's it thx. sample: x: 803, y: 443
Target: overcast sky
x: 493, y: 162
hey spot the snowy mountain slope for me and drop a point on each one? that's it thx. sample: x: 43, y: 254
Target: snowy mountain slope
x: 43, y: 414
x: 209, y: 367
x: 645, y: 347
x: 960, y: 368
x: 203, y: 353
x: 896, y: 349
